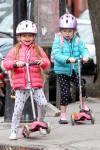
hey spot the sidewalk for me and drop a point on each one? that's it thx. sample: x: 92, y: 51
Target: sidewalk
x: 83, y: 136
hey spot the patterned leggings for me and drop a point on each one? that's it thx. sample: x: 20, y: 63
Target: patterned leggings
x: 21, y: 97
x: 64, y: 82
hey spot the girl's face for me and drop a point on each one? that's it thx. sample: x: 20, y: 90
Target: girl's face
x: 27, y: 38
x: 67, y: 33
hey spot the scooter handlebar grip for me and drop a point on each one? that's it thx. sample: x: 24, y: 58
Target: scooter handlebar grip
x: 33, y: 63
x: 90, y: 60
x: 15, y: 66
x: 67, y: 61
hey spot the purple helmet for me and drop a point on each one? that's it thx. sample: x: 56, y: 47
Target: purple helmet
x: 67, y: 21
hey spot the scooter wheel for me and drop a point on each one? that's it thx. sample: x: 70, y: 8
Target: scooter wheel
x: 48, y: 127
x: 92, y: 118
x: 72, y: 119
x: 26, y: 131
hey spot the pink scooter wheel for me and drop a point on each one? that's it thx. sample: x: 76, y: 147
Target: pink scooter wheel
x: 26, y: 131
x: 72, y: 119
x: 92, y: 118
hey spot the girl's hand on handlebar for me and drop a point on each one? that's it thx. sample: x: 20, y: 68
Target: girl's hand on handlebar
x: 20, y: 64
x: 40, y: 62
x: 85, y: 59
x: 72, y: 60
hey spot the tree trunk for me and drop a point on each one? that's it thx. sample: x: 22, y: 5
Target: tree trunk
x: 94, y: 7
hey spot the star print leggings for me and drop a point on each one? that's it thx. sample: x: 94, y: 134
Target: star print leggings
x: 21, y: 97
x: 64, y: 82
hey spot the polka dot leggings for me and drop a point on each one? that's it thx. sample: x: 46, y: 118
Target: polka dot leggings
x: 64, y: 82
x: 21, y: 97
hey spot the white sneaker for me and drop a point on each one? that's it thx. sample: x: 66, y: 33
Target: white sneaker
x: 13, y: 136
x: 43, y: 131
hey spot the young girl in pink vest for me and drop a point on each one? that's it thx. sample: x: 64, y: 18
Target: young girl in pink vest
x: 26, y: 51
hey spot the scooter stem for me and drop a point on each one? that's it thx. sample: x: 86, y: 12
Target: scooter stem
x: 31, y: 91
x: 80, y: 87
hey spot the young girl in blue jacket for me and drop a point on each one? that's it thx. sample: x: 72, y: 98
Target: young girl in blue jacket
x: 68, y: 47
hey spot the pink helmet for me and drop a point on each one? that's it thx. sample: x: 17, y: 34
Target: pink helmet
x: 26, y: 26
x: 67, y: 21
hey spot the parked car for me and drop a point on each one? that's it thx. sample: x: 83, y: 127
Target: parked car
x: 6, y: 18
x: 85, y: 15
x: 6, y: 44
x: 6, y: 25
x: 86, y: 33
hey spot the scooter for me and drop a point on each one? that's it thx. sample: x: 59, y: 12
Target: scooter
x: 82, y: 115
x: 36, y: 125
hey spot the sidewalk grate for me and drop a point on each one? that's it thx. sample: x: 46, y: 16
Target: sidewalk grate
x: 7, y: 147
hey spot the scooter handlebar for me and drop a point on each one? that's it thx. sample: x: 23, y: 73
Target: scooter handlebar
x: 30, y: 64
x: 81, y: 60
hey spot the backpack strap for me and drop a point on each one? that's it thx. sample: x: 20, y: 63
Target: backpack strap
x: 77, y: 40
x: 61, y: 44
x: 61, y: 38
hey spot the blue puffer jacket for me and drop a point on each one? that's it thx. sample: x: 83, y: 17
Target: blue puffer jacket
x: 61, y: 54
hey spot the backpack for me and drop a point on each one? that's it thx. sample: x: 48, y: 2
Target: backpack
x: 61, y: 44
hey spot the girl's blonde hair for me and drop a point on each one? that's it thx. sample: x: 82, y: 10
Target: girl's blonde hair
x: 39, y: 55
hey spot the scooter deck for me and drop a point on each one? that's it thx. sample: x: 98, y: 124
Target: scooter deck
x: 36, y: 125
x: 82, y: 116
